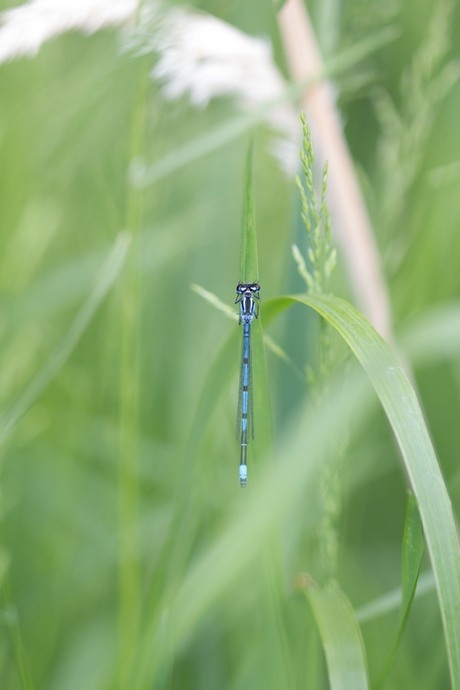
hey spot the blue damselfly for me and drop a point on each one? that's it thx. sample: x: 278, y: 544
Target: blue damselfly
x: 247, y: 296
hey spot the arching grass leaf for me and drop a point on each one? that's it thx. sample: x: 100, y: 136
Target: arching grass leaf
x: 341, y: 637
x: 405, y: 416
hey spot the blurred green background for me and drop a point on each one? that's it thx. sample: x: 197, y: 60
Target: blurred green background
x: 103, y: 509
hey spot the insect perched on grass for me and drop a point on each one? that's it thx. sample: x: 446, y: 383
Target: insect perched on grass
x: 247, y: 296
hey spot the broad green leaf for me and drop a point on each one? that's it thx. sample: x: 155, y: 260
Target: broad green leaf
x: 412, y: 551
x: 103, y: 282
x: 341, y: 637
x: 405, y: 416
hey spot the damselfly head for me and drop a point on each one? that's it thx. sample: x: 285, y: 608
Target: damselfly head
x: 241, y: 288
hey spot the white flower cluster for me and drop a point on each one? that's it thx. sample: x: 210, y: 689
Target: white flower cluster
x: 203, y: 57
x: 25, y: 28
x: 199, y: 56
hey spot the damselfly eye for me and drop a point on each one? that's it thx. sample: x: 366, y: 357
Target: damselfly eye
x: 254, y: 287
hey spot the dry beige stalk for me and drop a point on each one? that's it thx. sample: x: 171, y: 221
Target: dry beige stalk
x: 351, y: 221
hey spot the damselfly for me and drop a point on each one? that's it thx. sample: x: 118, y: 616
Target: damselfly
x: 247, y: 296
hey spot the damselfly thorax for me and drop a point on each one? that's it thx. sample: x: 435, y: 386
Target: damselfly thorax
x: 247, y: 296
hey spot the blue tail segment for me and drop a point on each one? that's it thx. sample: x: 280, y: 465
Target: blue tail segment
x: 248, y: 298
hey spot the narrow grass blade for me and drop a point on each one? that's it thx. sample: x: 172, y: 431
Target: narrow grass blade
x: 217, y: 303
x: 434, y: 335
x: 405, y: 416
x: 412, y: 551
x: 262, y: 445
x: 222, y: 370
x: 245, y: 535
x: 278, y: 351
x: 249, y: 273
x: 249, y: 267
x: 341, y: 637
x: 350, y: 57
x: 391, y: 601
x: 67, y: 285
x: 104, y: 281
x: 143, y: 175
x: 186, y: 513
x: 22, y: 661
x: 230, y: 312
x: 60, y: 289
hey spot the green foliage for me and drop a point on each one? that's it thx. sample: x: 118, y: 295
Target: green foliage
x: 413, y: 546
x: 104, y: 281
x: 129, y: 557
x: 321, y: 254
x: 341, y: 637
x: 249, y: 270
x: 405, y: 131
x: 404, y: 414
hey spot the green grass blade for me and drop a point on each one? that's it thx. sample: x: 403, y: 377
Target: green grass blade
x: 186, y: 510
x: 211, y: 298
x: 222, y: 134
x: 143, y: 175
x: 22, y: 662
x: 249, y: 267
x: 412, y: 551
x: 230, y: 313
x: 352, y: 56
x: 341, y: 637
x: 265, y: 505
x: 224, y: 364
x: 312, y: 438
x: 405, y: 416
x: 261, y: 446
x: 217, y: 380
x: 249, y: 273
x: 67, y: 285
x: 104, y: 281
x: 129, y: 603
x: 434, y: 335
x: 391, y: 601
